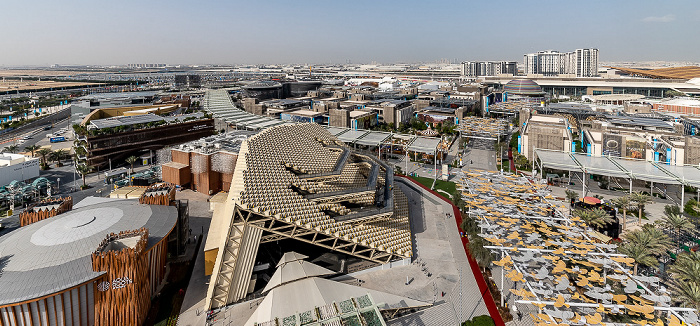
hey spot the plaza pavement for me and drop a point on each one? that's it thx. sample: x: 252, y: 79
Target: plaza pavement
x: 192, y: 311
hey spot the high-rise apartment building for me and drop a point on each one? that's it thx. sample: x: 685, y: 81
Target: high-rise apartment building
x: 488, y: 68
x: 586, y: 62
x: 582, y: 63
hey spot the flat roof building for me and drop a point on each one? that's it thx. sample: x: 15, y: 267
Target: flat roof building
x: 205, y: 165
x: 303, y: 116
x: 684, y: 106
x: 17, y: 167
x: 600, y: 86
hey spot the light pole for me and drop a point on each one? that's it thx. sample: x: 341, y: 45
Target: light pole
x: 75, y: 167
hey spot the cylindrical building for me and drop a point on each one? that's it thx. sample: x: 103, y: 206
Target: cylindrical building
x: 96, y: 265
x: 264, y: 90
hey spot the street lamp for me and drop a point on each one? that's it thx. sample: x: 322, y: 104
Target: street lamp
x: 75, y: 167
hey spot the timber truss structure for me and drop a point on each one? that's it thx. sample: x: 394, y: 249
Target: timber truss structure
x: 295, y: 182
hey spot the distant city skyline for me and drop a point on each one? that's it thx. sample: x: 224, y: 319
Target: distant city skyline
x: 277, y: 32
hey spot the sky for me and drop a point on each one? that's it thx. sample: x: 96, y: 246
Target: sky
x: 45, y: 32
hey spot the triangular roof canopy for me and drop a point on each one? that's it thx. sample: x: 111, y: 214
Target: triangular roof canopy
x: 305, y: 294
x: 293, y: 271
x: 290, y: 257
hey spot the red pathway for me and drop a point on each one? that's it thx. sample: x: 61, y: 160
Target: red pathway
x: 483, y: 288
x: 510, y: 160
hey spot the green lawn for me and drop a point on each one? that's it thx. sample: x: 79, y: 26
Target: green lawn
x: 446, y: 186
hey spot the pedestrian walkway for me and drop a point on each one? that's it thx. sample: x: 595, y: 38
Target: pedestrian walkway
x: 454, y: 275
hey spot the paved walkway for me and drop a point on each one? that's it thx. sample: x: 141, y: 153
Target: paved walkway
x: 192, y: 311
x: 483, y: 159
x: 439, y: 253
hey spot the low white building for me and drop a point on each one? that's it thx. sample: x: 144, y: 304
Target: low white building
x: 17, y: 167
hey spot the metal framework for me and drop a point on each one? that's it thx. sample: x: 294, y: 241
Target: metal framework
x: 493, y: 219
x: 274, y: 230
x: 687, y: 175
x: 278, y: 194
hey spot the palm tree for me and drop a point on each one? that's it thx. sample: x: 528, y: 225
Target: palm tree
x: 640, y: 254
x: 131, y: 160
x: 596, y: 217
x: 687, y: 267
x: 83, y: 170
x: 483, y: 256
x: 57, y: 156
x: 44, y: 153
x: 672, y: 209
x: 685, y: 283
x: 686, y: 292
x: 650, y: 237
x: 32, y: 148
x: 644, y: 244
x: 11, y: 149
x: 678, y: 223
x: 571, y: 196
x: 624, y: 204
x: 640, y: 200
x: 469, y: 226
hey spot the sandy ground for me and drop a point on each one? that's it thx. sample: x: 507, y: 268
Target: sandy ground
x: 37, y: 72
x: 16, y: 85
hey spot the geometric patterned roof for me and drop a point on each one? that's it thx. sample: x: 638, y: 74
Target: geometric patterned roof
x: 523, y: 87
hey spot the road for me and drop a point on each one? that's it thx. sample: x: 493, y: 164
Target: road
x: 38, y: 135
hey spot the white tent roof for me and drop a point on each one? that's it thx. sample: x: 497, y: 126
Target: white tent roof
x: 305, y: 294
x: 290, y: 257
x: 293, y: 271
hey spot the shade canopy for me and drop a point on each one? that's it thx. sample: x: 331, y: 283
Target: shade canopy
x: 620, y: 167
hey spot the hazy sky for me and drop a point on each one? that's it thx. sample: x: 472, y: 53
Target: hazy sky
x: 42, y: 32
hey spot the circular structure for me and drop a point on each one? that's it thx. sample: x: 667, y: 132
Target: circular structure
x: 50, y: 263
x: 264, y: 90
x: 263, y: 84
x: 77, y: 226
x: 525, y: 87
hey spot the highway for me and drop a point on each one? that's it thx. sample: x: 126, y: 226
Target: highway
x: 37, y: 135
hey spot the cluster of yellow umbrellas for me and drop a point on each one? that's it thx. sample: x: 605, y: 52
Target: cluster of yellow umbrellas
x: 570, y: 251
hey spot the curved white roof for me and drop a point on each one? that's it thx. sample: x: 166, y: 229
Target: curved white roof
x: 304, y: 294
x: 294, y: 271
x: 55, y: 254
x: 290, y: 257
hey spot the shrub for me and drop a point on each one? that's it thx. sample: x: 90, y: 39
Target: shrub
x: 689, y: 208
x: 483, y: 320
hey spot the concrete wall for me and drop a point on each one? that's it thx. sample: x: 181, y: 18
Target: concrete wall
x: 544, y: 137
x: 692, y: 150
